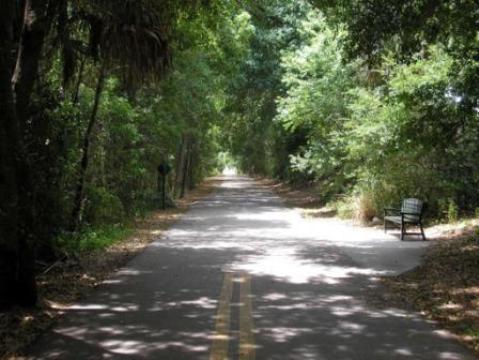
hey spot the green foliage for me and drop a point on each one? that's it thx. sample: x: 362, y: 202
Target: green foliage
x: 103, y: 207
x: 163, y: 100
x: 260, y: 145
x: 370, y: 101
x: 316, y: 103
x: 92, y: 238
x: 344, y: 207
x: 404, y: 25
x: 226, y: 161
x: 386, y: 133
x: 359, y: 207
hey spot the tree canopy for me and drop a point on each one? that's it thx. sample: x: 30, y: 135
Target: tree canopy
x: 369, y: 100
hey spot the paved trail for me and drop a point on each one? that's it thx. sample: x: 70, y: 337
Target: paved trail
x: 243, y: 277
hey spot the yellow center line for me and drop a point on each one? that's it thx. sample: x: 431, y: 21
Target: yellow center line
x: 219, y: 348
x: 247, y: 346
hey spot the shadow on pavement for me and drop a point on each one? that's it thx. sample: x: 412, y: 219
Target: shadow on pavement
x: 308, y: 293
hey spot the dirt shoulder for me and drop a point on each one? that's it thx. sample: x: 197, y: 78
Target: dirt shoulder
x: 444, y: 288
x: 301, y: 197
x: 70, y: 281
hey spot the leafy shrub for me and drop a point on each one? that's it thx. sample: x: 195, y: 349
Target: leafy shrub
x: 91, y: 238
x: 452, y: 211
x: 100, y: 238
x: 103, y: 207
x: 359, y: 207
x: 344, y: 207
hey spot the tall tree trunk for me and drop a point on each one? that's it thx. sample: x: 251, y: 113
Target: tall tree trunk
x: 186, y: 171
x: 17, y: 278
x: 76, y: 90
x: 37, y: 18
x: 180, y: 165
x: 79, y: 192
x: 192, y: 166
x: 8, y: 183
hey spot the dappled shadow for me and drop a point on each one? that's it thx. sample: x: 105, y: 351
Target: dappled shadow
x: 309, y: 287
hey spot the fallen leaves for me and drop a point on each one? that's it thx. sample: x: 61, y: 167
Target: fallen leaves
x: 445, y: 288
x: 67, y: 282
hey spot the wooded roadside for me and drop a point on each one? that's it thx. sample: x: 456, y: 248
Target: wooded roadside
x: 71, y: 279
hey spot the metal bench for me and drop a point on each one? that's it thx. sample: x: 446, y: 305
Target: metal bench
x: 411, y: 213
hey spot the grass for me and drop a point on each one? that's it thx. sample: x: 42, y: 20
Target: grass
x: 93, y: 238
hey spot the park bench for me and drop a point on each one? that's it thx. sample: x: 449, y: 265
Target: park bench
x: 411, y: 213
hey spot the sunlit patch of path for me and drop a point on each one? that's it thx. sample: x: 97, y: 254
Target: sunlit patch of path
x: 296, y: 290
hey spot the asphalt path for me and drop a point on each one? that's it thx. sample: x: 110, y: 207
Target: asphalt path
x: 241, y: 276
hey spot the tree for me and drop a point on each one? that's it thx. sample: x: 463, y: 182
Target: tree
x: 251, y: 135
x: 37, y: 36
x: 18, y: 283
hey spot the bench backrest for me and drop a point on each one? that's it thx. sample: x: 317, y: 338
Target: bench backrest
x: 412, y: 206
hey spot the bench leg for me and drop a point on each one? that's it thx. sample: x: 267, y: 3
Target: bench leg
x: 422, y: 232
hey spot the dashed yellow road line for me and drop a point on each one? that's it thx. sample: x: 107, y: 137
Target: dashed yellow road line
x: 219, y: 348
x: 247, y: 346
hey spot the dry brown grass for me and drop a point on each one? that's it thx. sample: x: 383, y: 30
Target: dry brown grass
x: 304, y: 197
x: 70, y: 281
